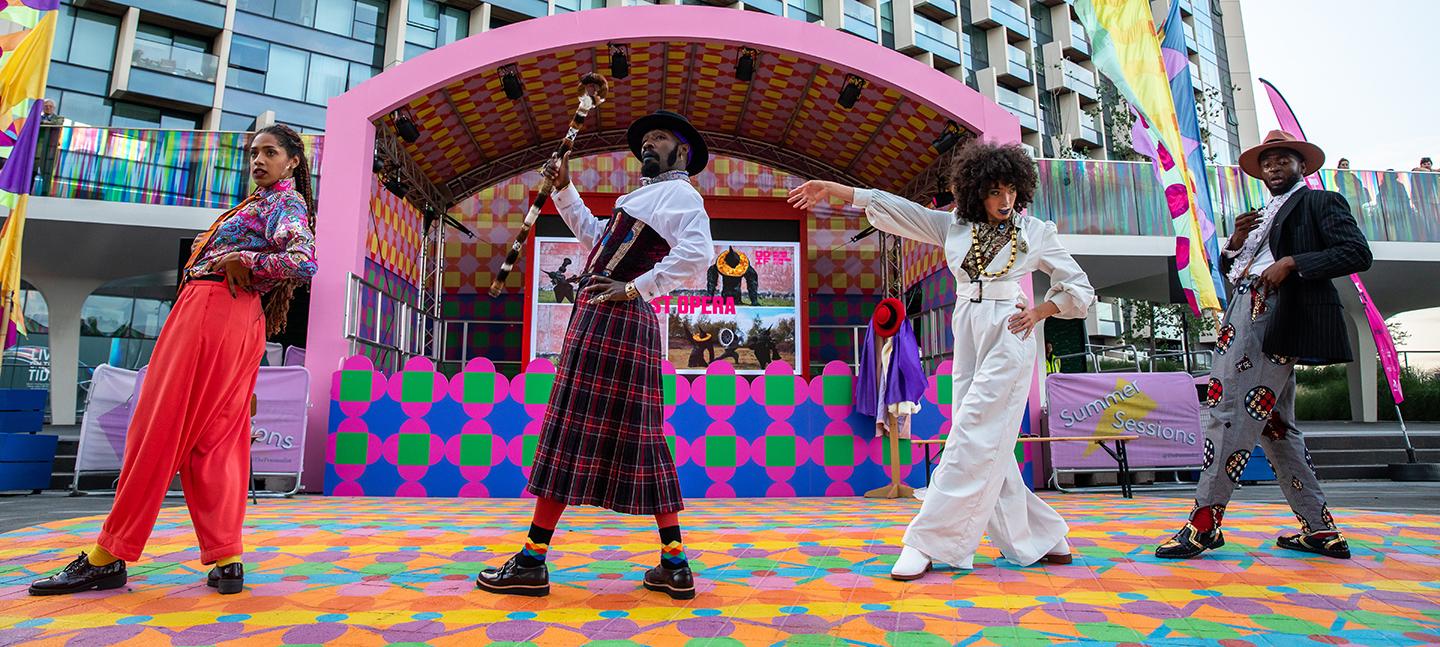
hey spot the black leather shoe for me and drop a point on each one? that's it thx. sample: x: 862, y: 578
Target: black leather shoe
x: 80, y: 576
x: 678, y: 583
x: 1330, y: 544
x: 514, y: 579
x: 229, y: 578
x: 1190, y: 542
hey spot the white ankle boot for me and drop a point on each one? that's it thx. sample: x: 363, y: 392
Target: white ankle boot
x: 911, y: 565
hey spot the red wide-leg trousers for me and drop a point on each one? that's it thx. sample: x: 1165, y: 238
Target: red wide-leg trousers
x: 193, y: 417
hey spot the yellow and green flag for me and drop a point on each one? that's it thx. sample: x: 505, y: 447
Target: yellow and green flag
x: 1126, y: 50
x: 24, y: 69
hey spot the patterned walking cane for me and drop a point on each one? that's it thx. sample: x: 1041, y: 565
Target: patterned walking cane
x: 593, y: 91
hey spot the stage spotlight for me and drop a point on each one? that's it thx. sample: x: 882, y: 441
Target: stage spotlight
x: 943, y: 198
x: 851, y: 92
x: 619, y: 61
x: 745, y: 65
x: 406, y: 127
x: 510, y: 80
x: 378, y: 165
x: 948, y: 138
x: 431, y: 216
x: 396, y: 187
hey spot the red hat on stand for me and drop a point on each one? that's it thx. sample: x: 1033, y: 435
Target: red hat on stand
x: 888, y: 316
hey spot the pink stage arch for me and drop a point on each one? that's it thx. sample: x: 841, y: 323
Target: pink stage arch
x: 350, y: 127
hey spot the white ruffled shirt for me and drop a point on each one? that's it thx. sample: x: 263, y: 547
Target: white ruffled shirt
x: 673, y: 208
x: 1069, y: 290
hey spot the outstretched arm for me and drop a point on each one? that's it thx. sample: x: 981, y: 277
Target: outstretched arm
x: 888, y: 213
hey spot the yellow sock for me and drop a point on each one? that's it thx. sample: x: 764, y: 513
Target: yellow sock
x: 99, y: 556
x: 226, y: 561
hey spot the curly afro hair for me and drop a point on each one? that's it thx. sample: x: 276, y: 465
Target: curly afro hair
x: 982, y: 166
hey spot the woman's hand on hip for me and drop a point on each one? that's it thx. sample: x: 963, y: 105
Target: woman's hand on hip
x: 237, y: 273
x: 1023, y: 322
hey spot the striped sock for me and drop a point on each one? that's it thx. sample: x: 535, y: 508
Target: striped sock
x: 672, y: 548
x: 537, y: 546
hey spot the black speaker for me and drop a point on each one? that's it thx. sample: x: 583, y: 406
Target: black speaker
x: 185, y: 244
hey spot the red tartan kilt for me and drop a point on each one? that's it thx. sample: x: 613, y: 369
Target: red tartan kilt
x: 602, y: 442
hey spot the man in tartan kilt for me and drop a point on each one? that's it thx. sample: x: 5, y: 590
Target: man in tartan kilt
x: 602, y: 441
x: 1283, y: 311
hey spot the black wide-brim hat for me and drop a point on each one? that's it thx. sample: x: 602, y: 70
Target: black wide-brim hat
x: 675, y: 123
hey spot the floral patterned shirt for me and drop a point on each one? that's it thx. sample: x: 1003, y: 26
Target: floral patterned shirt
x: 270, y: 231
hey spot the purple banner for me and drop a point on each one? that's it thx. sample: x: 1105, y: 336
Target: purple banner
x: 1161, y: 408
x: 279, y: 421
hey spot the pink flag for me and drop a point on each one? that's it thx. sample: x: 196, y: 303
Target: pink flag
x: 1389, y: 360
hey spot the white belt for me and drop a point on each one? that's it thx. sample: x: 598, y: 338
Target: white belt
x: 987, y: 291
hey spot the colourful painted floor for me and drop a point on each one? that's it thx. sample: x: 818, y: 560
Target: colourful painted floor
x: 777, y: 571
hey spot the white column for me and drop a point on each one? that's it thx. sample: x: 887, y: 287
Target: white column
x: 395, y: 33
x: 1239, y: 57
x: 222, y: 52
x: 64, y: 297
x: 124, y: 52
x: 1364, y: 383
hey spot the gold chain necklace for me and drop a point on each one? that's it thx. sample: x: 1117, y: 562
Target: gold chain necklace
x: 1014, y: 249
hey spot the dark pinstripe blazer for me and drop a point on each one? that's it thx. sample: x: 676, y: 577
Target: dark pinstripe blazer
x: 1317, y: 229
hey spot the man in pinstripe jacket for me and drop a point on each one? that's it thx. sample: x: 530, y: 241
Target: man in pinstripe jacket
x: 1283, y: 311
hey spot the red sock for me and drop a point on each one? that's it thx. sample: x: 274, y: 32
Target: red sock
x: 547, y: 513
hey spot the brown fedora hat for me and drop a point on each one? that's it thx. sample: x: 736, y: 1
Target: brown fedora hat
x: 1313, y: 156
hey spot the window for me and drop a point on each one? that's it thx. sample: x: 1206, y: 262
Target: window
x: 86, y: 38
x: 298, y: 75
x: 431, y: 24
x: 807, y: 10
x: 83, y: 109
x: 286, y: 73
x: 328, y: 77
x: 358, y: 19
x: 131, y: 115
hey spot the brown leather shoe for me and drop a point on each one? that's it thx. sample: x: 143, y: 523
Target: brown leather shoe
x: 514, y: 579
x: 1058, y: 558
x: 678, y: 583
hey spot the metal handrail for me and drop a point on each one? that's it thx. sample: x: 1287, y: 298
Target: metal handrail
x: 406, y: 342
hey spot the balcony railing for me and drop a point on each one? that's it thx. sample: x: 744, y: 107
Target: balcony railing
x: 860, y: 20
x: 1078, y: 40
x: 175, y: 61
x: 1080, y: 79
x: 1010, y: 15
x: 185, y: 168
x: 207, y: 169
x: 1124, y: 198
x: 1021, y: 106
x: 937, y: 39
x: 1017, y: 64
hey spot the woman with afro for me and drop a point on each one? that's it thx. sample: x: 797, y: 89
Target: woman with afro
x: 991, y: 248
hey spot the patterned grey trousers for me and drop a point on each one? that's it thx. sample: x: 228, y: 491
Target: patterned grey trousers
x: 1252, y: 398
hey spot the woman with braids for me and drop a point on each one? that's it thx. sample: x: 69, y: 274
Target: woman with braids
x: 193, y: 413
x: 990, y: 247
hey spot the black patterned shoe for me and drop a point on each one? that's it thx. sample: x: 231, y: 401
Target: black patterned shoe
x: 514, y: 579
x: 80, y: 575
x: 1330, y: 544
x: 1190, y: 542
x: 678, y: 583
x: 229, y: 578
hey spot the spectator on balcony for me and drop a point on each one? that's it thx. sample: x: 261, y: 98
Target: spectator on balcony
x: 1348, y: 184
x: 1426, y: 166
x: 1425, y: 197
x: 49, y: 116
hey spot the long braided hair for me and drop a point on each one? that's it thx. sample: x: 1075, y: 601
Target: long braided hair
x: 277, y: 302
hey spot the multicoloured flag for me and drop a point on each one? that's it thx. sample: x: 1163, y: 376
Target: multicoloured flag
x: 24, y: 70
x: 1182, y: 89
x: 1126, y: 50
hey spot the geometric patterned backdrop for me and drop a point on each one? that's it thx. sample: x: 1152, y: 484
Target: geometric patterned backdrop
x: 841, y: 285
x: 419, y: 433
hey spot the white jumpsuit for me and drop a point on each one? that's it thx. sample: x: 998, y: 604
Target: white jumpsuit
x: 977, y: 486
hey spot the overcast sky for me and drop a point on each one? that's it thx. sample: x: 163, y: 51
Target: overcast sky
x: 1361, y: 77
